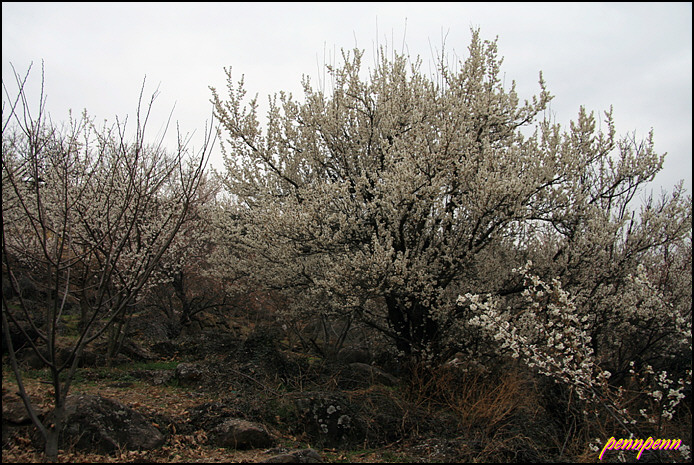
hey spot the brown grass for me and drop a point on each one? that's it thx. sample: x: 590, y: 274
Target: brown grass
x: 444, y: 414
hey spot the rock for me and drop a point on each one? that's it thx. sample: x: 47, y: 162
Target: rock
x: 330, y: 419
x: 20, y: 334
x: 29, y: 358
x: 211, y: 321
x: 298, y: 456
x: 105, y: 425
x: 194, y: 328
x: 190, y: 374
x: 137, y: 352
x: 241, y: 434
x: 13, y: 410
x: 147, y: 330
x: 209, y: 415
x: 164, y: 349
x: 7, y: 289
x: 15, y: 418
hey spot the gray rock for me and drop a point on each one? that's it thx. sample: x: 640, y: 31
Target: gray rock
x: 154, y: 377
x: 354, y: 355
x: 20, y: 334
x: 14, y: 411
x: 190, y: 374
x: 105, y: 425
x: 329, y: 419
x: 29, y: 358
x: 136, y: 352
x: 241, y: 434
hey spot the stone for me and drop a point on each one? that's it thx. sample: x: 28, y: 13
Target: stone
x: 136, y: 352
x: 15, y: 418
x: 329, y: 419
x: 241, y: 434
x: 154, y: 377
x: 354, y: 355
x: 209, y: 415
x: 30, y: 359
x: 164, y: 349
x: 105, y: 425
x: 190, y: 374
x: 20, y: 334
x: 13, y: 409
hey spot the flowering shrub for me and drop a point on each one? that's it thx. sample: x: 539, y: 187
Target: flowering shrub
x: 552, y: 335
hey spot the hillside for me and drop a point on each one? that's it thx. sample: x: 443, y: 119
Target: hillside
x: 191, y: 386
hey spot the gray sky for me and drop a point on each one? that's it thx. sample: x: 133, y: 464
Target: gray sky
x: 634, y: 56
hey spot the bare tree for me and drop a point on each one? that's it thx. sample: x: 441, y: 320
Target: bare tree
x: 87, y: 215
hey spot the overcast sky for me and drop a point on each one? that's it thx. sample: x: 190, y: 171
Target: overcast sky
x: 634, y: 56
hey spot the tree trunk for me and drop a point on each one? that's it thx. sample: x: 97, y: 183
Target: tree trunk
x: 415, y: 329
x: 52, y: 432
x: 180, y: 291
x: 51, y: 449
x: 400, y: 324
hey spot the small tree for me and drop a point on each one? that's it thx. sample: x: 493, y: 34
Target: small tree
x: 389, y: 196
x: 87, y: 215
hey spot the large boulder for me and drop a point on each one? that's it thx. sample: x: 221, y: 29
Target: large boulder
x: 21, y: 333
x: 98, y: 424
x: 165, y: 349
x: 28, y: 357
x: 14, y: 414
x: 205, y: 322
x: 137, y: 352
x: 354, y: 355
x: 209, y: 415
x: 329, y: 419
x: 154, y: 377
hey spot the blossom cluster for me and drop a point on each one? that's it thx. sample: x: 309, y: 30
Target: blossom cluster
x: 551, y: 334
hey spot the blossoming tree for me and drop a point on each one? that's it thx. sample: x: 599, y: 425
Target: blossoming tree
x: 384, y: 199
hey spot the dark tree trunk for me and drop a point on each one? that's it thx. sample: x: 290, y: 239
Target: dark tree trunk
x: 413, y: 325
x: 180, y: 291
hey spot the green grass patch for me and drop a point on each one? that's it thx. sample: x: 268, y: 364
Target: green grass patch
x: 95, y: 375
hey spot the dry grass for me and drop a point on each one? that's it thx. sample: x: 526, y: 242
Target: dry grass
x: 499, y: 416
x: 444, y: 414
x: 474, y: 397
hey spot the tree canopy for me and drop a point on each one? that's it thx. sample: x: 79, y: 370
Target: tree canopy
x: 386, y: 198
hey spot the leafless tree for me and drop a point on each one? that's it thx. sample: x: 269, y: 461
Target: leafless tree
x: 86, y: 215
